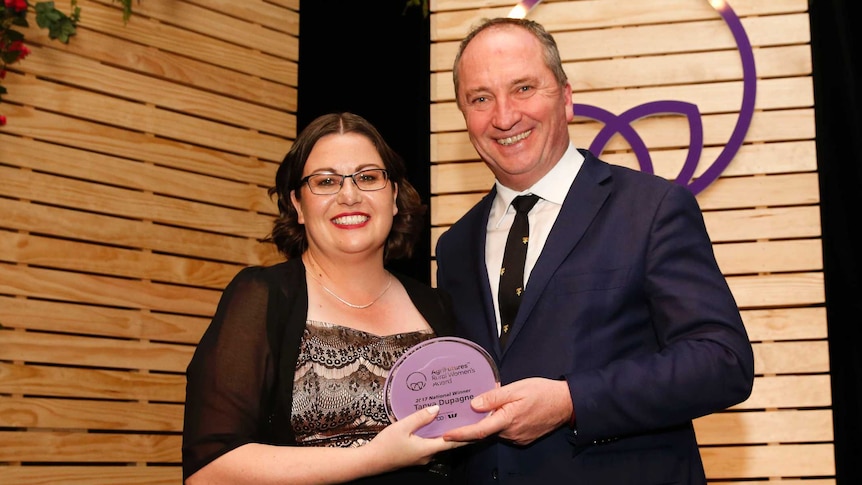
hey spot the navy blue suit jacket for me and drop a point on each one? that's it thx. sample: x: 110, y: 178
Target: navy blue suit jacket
x: 627, y: 304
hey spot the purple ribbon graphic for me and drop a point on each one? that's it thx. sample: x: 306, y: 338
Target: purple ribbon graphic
x: 622, y: 124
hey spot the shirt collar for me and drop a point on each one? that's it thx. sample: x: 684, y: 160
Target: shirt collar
x: 553, y: 187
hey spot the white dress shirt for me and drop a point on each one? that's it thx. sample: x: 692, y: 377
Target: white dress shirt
x: 552, y: 188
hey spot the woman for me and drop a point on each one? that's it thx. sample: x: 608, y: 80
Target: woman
x: 286, y: 383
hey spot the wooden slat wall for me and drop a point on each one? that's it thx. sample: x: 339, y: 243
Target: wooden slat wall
x: 133, y: 174
x: 762, y: 213
x: 133, y: 177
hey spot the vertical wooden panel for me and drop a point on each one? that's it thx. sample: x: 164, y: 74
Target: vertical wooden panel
x: 762, y: 211
x: 134, y: 167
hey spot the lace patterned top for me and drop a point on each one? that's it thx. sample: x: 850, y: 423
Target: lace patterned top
x: 339, y: 380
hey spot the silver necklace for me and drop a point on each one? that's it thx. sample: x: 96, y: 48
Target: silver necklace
x: 351, y: 305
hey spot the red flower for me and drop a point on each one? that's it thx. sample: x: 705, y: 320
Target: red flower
x: 19, y: 47
x: 16, y: 5
x: 3, y: 118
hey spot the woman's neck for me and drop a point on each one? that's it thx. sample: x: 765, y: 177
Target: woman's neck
x: 348, y: 277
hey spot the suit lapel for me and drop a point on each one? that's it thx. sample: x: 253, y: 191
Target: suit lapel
x: 588, y: 193
x: 478, y: 229
x: 482, y: 270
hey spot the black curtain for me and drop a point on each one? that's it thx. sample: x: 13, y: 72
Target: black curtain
x: 372, y: 58
x: 836, y: 62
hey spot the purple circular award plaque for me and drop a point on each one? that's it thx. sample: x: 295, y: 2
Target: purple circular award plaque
x: 448, y: 371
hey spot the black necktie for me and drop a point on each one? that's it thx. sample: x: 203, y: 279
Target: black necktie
x: 512, y: 271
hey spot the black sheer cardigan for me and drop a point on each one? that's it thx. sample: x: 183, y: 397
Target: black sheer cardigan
x: 240, y: 378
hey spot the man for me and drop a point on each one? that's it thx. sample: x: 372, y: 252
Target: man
x: 626, y: 330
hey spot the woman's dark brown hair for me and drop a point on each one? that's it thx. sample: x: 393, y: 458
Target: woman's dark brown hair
x: 288, y: 234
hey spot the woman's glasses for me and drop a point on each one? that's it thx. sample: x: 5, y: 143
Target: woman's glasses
x: 330, y: 183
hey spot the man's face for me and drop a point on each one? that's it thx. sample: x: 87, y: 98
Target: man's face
x: 517, y: 115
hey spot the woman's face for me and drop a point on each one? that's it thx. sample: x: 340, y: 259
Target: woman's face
x: 351, y: 221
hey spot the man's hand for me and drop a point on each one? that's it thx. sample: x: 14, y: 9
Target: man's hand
x: 523, y: 411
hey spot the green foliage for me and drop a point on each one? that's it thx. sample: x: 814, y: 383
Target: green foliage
x: 417, y: 3
x: 13, y: 13
x: 127, y: 10
x: 60, y: 26
x: 7, y: 54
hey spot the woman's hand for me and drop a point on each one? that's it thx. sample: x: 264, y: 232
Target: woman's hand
x: 398, y: 446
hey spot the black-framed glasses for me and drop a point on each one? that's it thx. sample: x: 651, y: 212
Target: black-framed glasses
x: 330, y: 183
